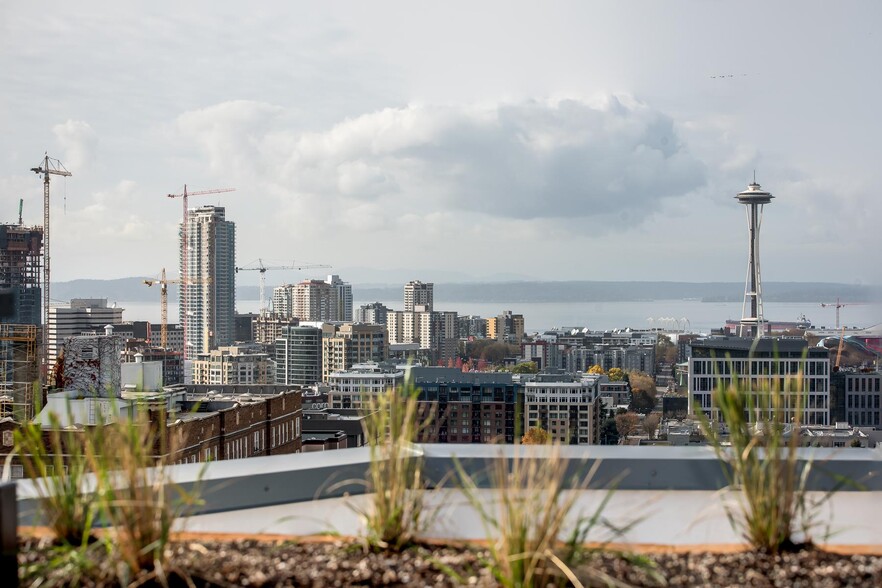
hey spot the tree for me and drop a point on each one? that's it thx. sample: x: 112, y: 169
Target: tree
x: 641, y: 381
x: 609, y: 434
x: 595, y: 369
x: 627, y: 424
x: 535, y: 436
x: 525, y: 367
x: 615, y: 374
x: 642, y: 402
x: 650, y: 424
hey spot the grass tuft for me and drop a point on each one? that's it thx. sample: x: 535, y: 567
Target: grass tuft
x: 396, y: 513
x: 773, y: 511
x: 532, y: 540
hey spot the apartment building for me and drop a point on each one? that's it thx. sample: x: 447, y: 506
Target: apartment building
x: 350, y: 388
x: 233, y: 365
x: 351, y: 344
x: 567, y: 406
x: 419, y: 296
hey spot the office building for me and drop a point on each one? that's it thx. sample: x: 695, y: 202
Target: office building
x: 298, y: 355
x: 208, y: 301
x: 781, y: 364
x: 856, y: 397
x: 82, y: 316
x: 418, y: 296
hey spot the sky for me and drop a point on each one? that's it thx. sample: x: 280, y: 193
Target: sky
x: 451, y: 141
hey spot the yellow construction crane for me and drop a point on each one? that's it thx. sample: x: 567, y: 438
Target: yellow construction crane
x: 163, y: 297
x: 263, y: 269
x: 48, y: 167
x: 185, y: 247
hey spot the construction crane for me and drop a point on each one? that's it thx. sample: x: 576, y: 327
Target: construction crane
x: 48, y: 167
x: 263, y: 269
x: 839, y: 352
x: 185, y: 248
x: 163, y: 297
x: 838, y: 305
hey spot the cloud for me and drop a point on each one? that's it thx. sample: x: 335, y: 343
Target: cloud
x: 555, y: 159
x: 78, y: 141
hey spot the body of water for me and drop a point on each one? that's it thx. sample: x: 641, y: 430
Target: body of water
x: 539, y: 316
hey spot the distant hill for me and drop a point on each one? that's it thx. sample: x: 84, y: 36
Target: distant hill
x: 134, y: 290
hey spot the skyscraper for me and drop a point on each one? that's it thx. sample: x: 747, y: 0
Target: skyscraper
x: 21, y: 260
x: 210, y: 299
x: 752, y: 321
x: 344, y: 297
x: 418, y: 296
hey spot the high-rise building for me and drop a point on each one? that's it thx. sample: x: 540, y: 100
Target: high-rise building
x: 314, y: 300
x: 21, y: 258
x: 566, y: 406
x: 344, y: 297
x: 418, y: 296
x: 374, y: 313
x: 298, y: 354
x: 83, y: 316
x: 353, y: 344
x: 209, y: 304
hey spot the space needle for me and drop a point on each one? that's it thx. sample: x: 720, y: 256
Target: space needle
x: 752, y: 323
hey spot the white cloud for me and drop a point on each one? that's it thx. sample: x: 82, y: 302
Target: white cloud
x: 78, y: 141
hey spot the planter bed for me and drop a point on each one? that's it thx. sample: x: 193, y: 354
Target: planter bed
x: 275, y: 561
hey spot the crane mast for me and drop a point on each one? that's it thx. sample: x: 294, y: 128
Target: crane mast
x: 48, y: 167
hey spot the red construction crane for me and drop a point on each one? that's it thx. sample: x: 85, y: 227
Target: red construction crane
x: 184, y: 249
x: 48, y: 167
x: 263, y: 268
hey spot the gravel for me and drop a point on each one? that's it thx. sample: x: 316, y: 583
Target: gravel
x: 255, y: 563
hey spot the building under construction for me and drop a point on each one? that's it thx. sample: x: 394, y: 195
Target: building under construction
x: 21, y: 256
x: 21, y: 263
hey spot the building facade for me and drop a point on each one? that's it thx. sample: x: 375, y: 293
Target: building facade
x: 234, y: 365
x: 82, y: 316
x: 566, y: 406
x: 298, y: 355
x: 208, y: 305
x: 419, y: 296
x: 786, y: 365
x: 315, y: 300
x: 21, y: 271
x: 344, y: 297
x: 374, y: 313
x: 352, y: 344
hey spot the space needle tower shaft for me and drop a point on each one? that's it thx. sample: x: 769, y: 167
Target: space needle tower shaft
x: 752, y: 322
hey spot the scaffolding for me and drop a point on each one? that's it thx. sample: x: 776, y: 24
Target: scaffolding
x: 19, y: 371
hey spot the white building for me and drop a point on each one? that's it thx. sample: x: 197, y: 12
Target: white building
x: 83, y: 316
x: 352, y: 387
x: 419, y: 296
x: 208, y: 304
x: 569, y: 408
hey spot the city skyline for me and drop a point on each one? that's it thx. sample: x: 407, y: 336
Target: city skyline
x: 540, y: 132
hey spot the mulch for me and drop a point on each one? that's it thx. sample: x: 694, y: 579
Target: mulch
x: 227, y: 562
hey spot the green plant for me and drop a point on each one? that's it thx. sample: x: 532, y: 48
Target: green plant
x: 773, y: 511
x: 532, y: 539
x: 138, y: 499
x: 56, y: 461
x: 392, y: 424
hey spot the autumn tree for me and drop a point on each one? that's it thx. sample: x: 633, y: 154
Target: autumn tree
x: 536, y: 436
x: 615, y: 374
x: 650, y: 424
x: 627, y: 424
x: 641, y: 381
x: 596, y: 369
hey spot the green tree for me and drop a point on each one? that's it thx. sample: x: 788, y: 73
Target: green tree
x: 525, y: 367
x: 642, y: 402
x: 609, y: 434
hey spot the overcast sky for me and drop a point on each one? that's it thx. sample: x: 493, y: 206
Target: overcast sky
x: 552, y: 140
